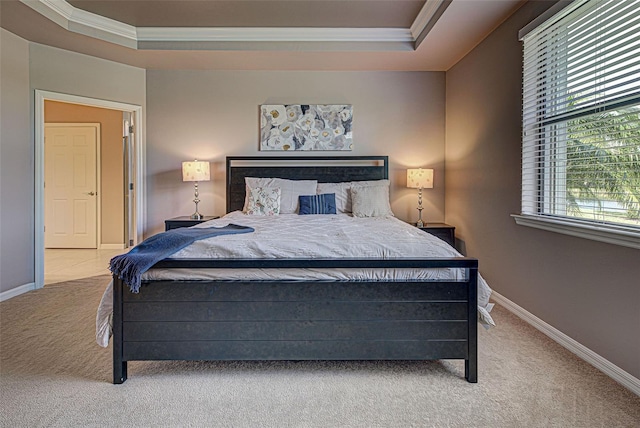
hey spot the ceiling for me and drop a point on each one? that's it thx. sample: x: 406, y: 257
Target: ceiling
x: 411, y: 35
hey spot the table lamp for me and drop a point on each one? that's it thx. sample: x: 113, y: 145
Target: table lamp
x: 419, y: 178
x: 195, y: 171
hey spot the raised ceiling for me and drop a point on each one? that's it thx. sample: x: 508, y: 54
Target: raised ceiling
x: 257, y: 13
x: 354, y: 35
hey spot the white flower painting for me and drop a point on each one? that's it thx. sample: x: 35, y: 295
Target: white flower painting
x: 306, y: 127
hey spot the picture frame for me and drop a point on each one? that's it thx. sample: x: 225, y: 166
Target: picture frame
x: 306, y: 127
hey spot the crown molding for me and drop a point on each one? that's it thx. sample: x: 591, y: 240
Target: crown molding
x: 101, y: 23
x: 92, y: 25
x: 425, y: 23
x: 424, y: 17
x: 290, y: 34
x: 66, y: 16
x: 85, y: 23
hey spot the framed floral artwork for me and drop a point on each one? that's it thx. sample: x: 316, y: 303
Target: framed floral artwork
x: 306, y: 127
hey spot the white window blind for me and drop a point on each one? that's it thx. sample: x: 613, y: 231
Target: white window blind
x: 581, y: 115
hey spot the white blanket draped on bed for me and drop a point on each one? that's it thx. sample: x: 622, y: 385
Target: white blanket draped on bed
x: 310, y: 236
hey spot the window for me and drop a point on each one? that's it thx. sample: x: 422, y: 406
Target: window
x: 581, y: 121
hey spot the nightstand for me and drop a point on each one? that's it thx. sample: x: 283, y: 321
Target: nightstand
x: 442, y: 231
x: 185, y: 221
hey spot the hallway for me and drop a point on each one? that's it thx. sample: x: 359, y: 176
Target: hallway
x: 66, y: 264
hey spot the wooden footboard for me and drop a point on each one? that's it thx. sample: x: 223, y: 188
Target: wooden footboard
x: 298, y: 320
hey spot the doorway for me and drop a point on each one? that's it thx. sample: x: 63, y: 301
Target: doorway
x: 132, y: 163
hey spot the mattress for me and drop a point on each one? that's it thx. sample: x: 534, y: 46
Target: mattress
x: 311, y: 236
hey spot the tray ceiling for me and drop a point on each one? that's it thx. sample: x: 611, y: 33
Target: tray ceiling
x: 262, y: 34
x: 257, y: 13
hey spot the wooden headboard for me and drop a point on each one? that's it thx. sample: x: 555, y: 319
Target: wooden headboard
x: 325, y: 169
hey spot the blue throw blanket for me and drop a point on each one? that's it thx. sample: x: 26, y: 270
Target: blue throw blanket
x: 129, y: 267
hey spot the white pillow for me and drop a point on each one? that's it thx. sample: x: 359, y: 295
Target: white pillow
x: 342, y: 192
x: 371, y: 201
x: 291, y: 191
x: 264, y: 201
x: 368, y: 183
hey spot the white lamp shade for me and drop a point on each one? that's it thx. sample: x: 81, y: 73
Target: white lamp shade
x: 420, y: 178
x: 195, y: 171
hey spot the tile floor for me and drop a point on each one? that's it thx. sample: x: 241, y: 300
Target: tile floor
x: 66, y: 264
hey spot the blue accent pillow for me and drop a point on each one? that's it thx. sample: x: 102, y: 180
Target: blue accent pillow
x: 318, y: 204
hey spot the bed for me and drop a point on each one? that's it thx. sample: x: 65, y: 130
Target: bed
x: 214, y: 303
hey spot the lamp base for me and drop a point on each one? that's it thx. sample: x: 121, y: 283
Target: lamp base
x: 196, y: 215
x: 420, y: 223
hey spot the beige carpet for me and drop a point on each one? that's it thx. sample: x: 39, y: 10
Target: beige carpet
x: 53, y: 374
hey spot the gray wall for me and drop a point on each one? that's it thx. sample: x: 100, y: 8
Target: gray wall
x: 211, y: 114
x: 67, y: 72
x: 586, y: 289
x: 25, y: 67
x: 16, y: 165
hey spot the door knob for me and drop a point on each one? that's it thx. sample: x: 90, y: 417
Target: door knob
x: 91, y: 193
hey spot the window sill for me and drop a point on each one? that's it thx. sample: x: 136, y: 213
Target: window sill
x: 617, y: 235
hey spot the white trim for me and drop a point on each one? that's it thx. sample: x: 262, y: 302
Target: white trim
x: 107, y: 25
x: 139, y: 181
x: 66, y: 15
x: 39, y: 189
x: 246, y: 34
x: 96, y: 26
x: 599, y: 362
x: 429, y: 9
x: 112, y: 247
x: 61, y: 7
x: 618, y: 235
x: 16, y: 291
x: 58, y: 12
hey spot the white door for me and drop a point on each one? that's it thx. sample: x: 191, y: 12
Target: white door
x: 70, y: 188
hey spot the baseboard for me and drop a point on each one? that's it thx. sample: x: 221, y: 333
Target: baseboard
x: 601, y: 363
x: 112, y: 246
x: 6, y: 295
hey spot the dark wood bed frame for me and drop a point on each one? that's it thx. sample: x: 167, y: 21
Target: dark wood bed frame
x: 298, y: 320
